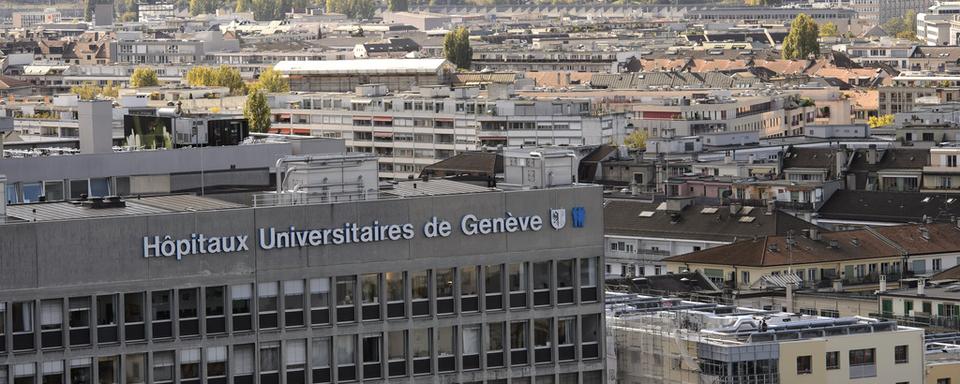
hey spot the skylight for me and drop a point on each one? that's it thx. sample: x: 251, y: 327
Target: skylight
x: 747, y: 219
x: 646, y: 214
x: 708, y: 211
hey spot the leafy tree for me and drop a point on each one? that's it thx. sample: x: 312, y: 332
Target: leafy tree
x: 198, y: 7
x: 243, y: 5
x: 265, y: 10
x: 88, y: 6
x: 902, y: 27
x: 144, y: 77
x: 398, y: 5
x: 222, y: 76
x: 271, y: 81
x: 829, y: 29
x: 456, y: 47
x: 257, y: 112
x: 801, y: 42
x: 110, y: 90
x: 87, y: 91
x: 755, y: 3
x: 354, y: 9
x: 226, y: 76
x: 636, y: 139
x: 880, y: 121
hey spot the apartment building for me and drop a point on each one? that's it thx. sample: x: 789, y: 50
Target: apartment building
x: 35, y: 18
x: 345, y: 75
x: 134, y: 49
x: 942, y: 175
x: 670, y: 340
x: 857, y: 257
x: 843, y: 18
x: 390, y: 290
x: 155, y: 10
x: 410, y: 130
x: 910, y: 89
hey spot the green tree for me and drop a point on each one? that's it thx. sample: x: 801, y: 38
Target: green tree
x: 257, y: 112
x: 243, y: 5
x: 829, y: 29
x: 456, y: 47
x: 227, y: 76
x: 398, y: 5
x: 880, y: 121
x: 636, y: 139
x: 199, y: 7
x: 87, y: 91
x: 144, y: 77
x: 271, y: 81
x: 265, y: 10
x: 200, y: 76
x: 801, y: 42
x: 88, y: 6
x: 354, y: 9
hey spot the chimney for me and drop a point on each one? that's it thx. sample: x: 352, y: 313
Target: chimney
x: 727, y: 157
x: 814, y: 234
x: 883, y: 283
x: 872, y: 156
x: 752, y: 158
x: 3, y: 196
x: 96, y: 126
x: 838, y: 285
x: 921, y: 284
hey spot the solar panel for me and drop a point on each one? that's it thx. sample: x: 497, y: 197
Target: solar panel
x: 747, y: 219
x: 646, y: 214
x: 746, y: 210
x: 708, y: 211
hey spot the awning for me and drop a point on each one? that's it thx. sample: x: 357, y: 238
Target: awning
x: 383, y: 134
x: 361, y: 117
x: 361, y: 101
x: 446, y: 120
x: 776, y: 281
x: 382, y: 118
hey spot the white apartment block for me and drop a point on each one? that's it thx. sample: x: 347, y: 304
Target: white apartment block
x: 411, y: 130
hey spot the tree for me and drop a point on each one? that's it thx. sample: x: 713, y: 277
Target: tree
x: 222, y: 76
x: 801, y: 42
x: 265, y: 10
x: 144, y: 77
x: 271, y: 81
x: 636, y: 139
x: 456, y: 47
x: 354, y: 9
x: 198, y: 7
x: 257, y: 112
x: 829, y: 29
x: 88, y: 6
x: 398, y: 5
x: 880, y: 121
x: 904, y: 27
x: 87, y: 91
x: 243, y: 5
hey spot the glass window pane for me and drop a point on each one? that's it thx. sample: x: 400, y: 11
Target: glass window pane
x: 133, y: 307
x: 394, y: 286
x: 541, y: 333
x: 163, y: 366
x: 346, y: 350
x: 346, y: 287
x: 471, y: 339
x: 53, y: 190
x: 495, y: 337
x: 421, y: 343
x: 320, y: 352
x: 269, y: 357
x: 31, y: 192
x: 445, y: 341
x: 188, y: 303
x: 79, y: 188
x: 240, y: 296
x: 518, y: 335
x: 243, y: 360
x: 517, y: 275
x: 565, y: 273
x: 320, y: 293
x: 370, y: 287
x: 420, y: 285
x: 214, y: 300
x: 107, y: 310
x: 468, y: 281
x: 444, y: 282
x: 267, y: 296
x: 588, y: 272
x: 541, y: 275
x: 492, y: 279
x: 397, y: 349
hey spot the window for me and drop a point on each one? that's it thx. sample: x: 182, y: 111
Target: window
x: 900, y: 354
x: 444, y: 281
x: 243, y: 362
x: 421, y: 350
x: 320, y: 359
x: 493, y: 283
x: 240, y: 301
x: 270, y: 362
x: 943, y: 381
x: 320, y: 301
x: 518, y: 342
x: 495, y: 344
x: 293, y: 303
x: 937, y: 263
x: 267, y: 305
x: 370, y: 355
x: 588, y: 272
x: 347, y: 357
x: 517, y: 284
x: 542, y: 283
x: 214, y: 301
x: 469, y: 288
x: 566, y: 337
x: 589, y: 330
x: 163, y: 367
x: 24, y: 373
x: 804, y: 365
x: 541, y: 340
x: 863, y: 363
x: 51, y: 323
x: 53, y: 371
x: 565, y: 273
x: 187, y: 305
x: 833, y: 360
x: 370, y: 289
x: 397, y: 353
x: 470, y: 342
x: 420, y: 288
x: 295, y: 358
x: 395, y: 296
x: 23, y: 325
x: 446, y: 349
x: 190, y: 366
x: 216, y: 362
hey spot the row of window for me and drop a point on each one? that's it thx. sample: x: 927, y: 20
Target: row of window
x: 341, y: 358
x: 862, y: 362
x: 188, y: 312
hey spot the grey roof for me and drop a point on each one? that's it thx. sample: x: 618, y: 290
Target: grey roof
x: 640, y: 80
x: 433, y: 187
x: 134, y: 206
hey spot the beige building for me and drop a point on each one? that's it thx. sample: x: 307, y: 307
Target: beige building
x: 942, y: 175
x: 668, y: 340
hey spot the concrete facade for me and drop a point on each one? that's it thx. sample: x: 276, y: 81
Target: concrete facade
x: 102, y: 261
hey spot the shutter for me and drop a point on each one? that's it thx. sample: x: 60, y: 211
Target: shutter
x: 940, y: 310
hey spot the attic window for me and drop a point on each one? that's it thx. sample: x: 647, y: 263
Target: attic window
x: 747, y: 219
x: 646, y: 214
x: 708, y: 211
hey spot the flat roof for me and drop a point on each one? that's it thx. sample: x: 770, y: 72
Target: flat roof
x: 359, y: 66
